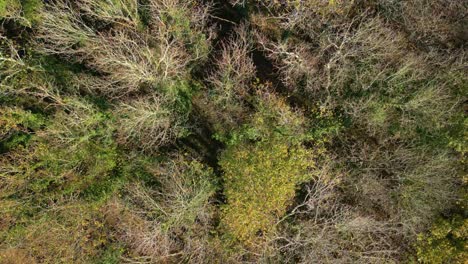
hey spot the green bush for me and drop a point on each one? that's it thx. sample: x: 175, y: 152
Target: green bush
x: 10, y: 8
x: 73, y: 232
x: 26, y: 12
x: 17, y: 119
x: 184, y: 20
x: 73, y: 154
x: 17, y: 127
x: 32, y: 10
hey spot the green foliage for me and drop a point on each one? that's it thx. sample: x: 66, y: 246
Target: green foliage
x: 75, y: 154
x: 179, y: 20
x: 445, y: 243
x: 17, y: 126
x: 272, y: 118
x: 32, y: 10
x: 9, y: 8
x: 180, y: 93
x: 26, y: 12
x: 77, y: 227
x: 87, y: 147
x: 111, y: 255
x: 16, y: 119
x: 458, y: 136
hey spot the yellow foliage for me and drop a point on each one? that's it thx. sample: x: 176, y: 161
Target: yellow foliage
x: 446, y: 242
x: 260, y: 184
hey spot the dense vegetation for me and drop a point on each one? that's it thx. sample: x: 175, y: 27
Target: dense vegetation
x: 190, y: 131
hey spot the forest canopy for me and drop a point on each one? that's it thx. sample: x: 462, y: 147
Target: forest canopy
x: 233, y: 131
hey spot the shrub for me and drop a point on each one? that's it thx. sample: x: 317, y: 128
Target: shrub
x: 445, y: 243
x: 263, y: 166
x: 67, y: 233
x: 428, y: 185
x: 75, y: 152
x: 10, y: 8
x: 18, y: 120
x: 14, y: 70
x: 184, y: 21
x: 16, y: 127
x: 260, y: 183
x: 131, y: 64
x: 32, y: 10
x: 236, y: 70
x: 324, y: 225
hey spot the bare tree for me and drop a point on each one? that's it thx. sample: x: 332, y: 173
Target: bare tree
x: 230, y: 82
x: 148, y: 123
x: 326, y: 230
x: 170, y: 223
x: 62, y: 31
